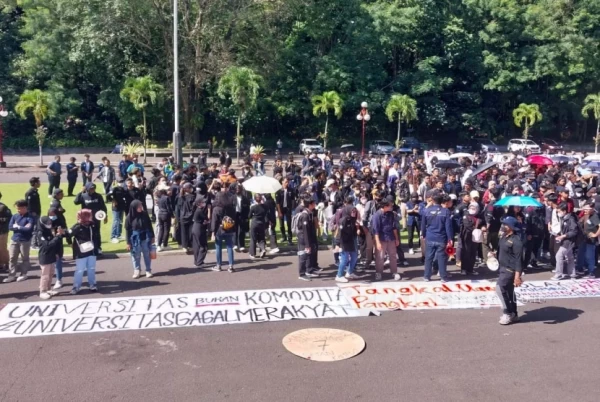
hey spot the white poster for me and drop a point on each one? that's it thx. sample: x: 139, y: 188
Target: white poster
x: 171, y: 311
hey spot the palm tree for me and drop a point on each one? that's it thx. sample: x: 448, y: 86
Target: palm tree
x: 241, y: 86
x: 141, y: 92
x: 405, y: 107
x: 322, y: 104
x: 592, y: 105
x: 530, y: 114
x: 41, y: 106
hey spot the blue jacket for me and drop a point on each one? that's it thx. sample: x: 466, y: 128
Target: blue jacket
x: 384, y: 224
x: 414, y: 218
x: 436, y: 224
x: 123, y: 166
x: 72, y: 174
x: 21, y: 234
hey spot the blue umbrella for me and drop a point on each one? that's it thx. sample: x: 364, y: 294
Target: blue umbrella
x: 518, y: 201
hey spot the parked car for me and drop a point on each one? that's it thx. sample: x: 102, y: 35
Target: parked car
x: 520, y: 145
x: 381, y: 147
x: 550, y: 145
x: 310, y: 145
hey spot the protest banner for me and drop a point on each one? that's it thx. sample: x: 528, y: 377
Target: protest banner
x: 171, y: 311
x: 536, y: 291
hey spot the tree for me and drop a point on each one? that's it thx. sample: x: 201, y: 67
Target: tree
x: 40, y: 105
x: 241, y: 86
x: 406, y: 109
x: 529, y: 114
x: 141, y: 92
x: 592, y: 105
x: 322, y: 104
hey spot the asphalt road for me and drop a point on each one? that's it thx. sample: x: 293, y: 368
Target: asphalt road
x: 453, y: 355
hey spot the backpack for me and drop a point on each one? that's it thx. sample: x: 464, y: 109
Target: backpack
x: 296, y: 222
x: 347, y: 228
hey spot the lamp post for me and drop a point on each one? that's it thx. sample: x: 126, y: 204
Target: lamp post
x: 363, y: 116
x: 177, y: 145
x: 3, y: 113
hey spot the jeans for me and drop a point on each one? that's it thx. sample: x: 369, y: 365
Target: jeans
x: 142, y: 249
x: 228, y: 237
x: 117, y: 225
x: 59, y: 268
x: 586, y: 256
x: 345, y: 258
x: 435, y: 250
x: 85, y: 264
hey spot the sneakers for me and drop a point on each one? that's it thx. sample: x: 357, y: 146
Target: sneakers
x: 200, y: 266
x: 557, y: 277
x: 262, y: 254
x: 45, y: 295
x: 405, y: 263
x: 514, y: 318
x: 52, y: 292
x: 216, y: 268
x: 274, y: 251
x: 114, y: 240
x: 93, y: 288
x: 158, y: 249
x: 136, y: 274
x: 166, y: 248
x: 351, y: 276
x: 397, y: 277
x: 304, y: 278
x: 312, y: 275
x: 411, y: 251
x: 149, y: 275
x: 426, y: 280
x: 378, y: 276
x: 74, y: 291
x: 235, y: 248
x: 445, y: 280
x: 57, y: 285
x: 387, y: 262
x: 463, y: 273
x: 22, y: 278
x: 506, y: 319
x: 231, y: 270
x: 9, y: 279
x: 242, y: 250
x: 253, y: 258
x: 341, y: 279
x: 580, y: 273
x: 590, y: 276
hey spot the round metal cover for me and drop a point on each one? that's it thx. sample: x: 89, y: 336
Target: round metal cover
x: 324, y: 344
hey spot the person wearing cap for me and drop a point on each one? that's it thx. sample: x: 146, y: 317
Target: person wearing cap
x: 510, y: 255
x: 54, y: 171
x: 436, y: 229
x: 586, y: 256
x: 49, y: 244
x: 88, y: 198
x: 387, y: 239
x: 566, y: 239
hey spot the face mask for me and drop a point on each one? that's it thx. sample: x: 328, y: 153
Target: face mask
x: 53, y: 218
x: 560, y: 214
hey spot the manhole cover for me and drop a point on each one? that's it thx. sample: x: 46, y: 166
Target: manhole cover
x: 324, y: 344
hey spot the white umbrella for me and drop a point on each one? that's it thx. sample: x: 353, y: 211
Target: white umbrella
x: 262, y: 185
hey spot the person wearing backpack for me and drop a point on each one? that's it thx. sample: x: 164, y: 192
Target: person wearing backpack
x: 387, y: 239
x: 346, y: 234
x: 367, y: 221
x: 304, y: 227
x: 223, y: 225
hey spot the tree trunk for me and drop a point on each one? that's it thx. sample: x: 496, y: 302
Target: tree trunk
x: 41, y: 155
x: 237, y: 137
x: 145, y: 139
x: 526, y: 131
x: 398, y: 136
x: 325, y: 134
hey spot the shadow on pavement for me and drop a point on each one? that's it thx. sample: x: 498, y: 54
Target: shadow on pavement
x: 551, y: 315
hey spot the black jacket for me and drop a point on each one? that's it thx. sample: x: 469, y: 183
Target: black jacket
x: 33, y: 201
x: 165, y: 209
x: 119, y: 198
x: 307, y: 233
x: 82, y: 234
x: 569, y: 228
x: 94, y: 202
x: 291, y: 199
x: 49, y: 246
x: 186, y: 207
x: 258, y: 215
x: 5, y: 215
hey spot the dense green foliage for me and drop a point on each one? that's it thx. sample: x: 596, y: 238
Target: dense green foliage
x: 467, y: 63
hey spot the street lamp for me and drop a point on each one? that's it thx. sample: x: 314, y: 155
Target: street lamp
x: 177, y: 146
x: 363, y: 116
x: 3, y: 113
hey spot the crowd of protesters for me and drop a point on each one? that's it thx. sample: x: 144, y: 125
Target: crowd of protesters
x: 359, y: 206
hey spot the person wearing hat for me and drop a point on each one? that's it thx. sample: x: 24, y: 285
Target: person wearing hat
x: 49, y: 243
x: 586, y: 256
x: 566, y: 239
x: 510, y: 255
x: 88, y: 198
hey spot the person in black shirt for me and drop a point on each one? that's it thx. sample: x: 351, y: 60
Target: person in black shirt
x: 200, y: 230
x: 34, y: 207
x: 510, y: 255
x: 140, y: 237
x: 186, y: 215
x: 165, y: 214
x: 258, y: 219
x: 5, y: 215
x: 307, y: 238
x: 54, y: 172
x: 285, y: 200
x: 90, y: 199
x: 72, y: 172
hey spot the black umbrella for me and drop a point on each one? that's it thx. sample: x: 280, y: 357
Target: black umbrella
x: 447, y: 165
x: 483, y: 168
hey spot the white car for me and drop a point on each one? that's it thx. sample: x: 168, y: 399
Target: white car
x: 310, y: 145
x: 520, y: 145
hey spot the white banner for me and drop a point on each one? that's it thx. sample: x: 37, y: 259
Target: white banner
x: 171, y: 311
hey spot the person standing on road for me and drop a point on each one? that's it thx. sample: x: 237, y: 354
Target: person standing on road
x: 90, y: 199
x: 223, y: 224
x: 72, y: 173
x: 5, y: 216
x: 200, y: 230
x: 566, y: 239
x: 242, y: 211
x: 34, y: 207
x: 285, y: 199
x: 387, y: 239
x: 22, y: 226
x: 347, y: 234
x: 186, y: 215
x: 510, y: 255
x: 59, y: 221
x: 87, y: 169
x: 258, y: 220
x: 84, y: 251
x: 54, y: 172
x: 140, y: 238
x: 49, y: 244
x: 307, y: 237
x: 164, y: 217
x: 436, y: 230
